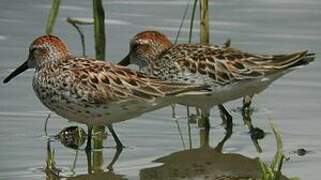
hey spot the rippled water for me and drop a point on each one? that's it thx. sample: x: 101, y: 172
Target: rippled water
x: 154, y: 145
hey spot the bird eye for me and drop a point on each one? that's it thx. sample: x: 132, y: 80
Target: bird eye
x: 32, y: 50
x: 134, y: 46
x: 36, y: 51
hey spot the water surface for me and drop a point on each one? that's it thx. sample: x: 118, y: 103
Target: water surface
x: 270, y: 26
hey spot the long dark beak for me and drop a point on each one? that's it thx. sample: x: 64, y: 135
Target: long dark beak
x: 125, y: 61
x: 16, y: 72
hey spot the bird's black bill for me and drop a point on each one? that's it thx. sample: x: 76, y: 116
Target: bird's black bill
x: 16, y: 72
x: 125, y: 61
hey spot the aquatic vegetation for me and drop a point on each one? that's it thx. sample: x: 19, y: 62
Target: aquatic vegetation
x: 273, y: 171
x: 52, y: 16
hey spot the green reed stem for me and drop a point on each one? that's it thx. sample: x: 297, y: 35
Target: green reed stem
x: 278, y: 157
x: 204, y: 125
x: 189, y: 128
x: 100, y: 46
x: 204, y: 39
x: 99, y: 29
x: 52, y: 16
x: 192, y: 22
x: 98, y: 157
x: 182, y: 22
x: 273, y: 171
x: 204, y: 22
x: 80, y: 21
x: 75, y: 23
x: 180, y: 133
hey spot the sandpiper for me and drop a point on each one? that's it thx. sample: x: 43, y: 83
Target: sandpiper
x: 229, y: 72
x: 94, y: 92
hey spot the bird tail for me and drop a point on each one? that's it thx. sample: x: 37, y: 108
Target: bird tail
x: 289, y: 61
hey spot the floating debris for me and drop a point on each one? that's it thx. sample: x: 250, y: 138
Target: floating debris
x: 301, y: 152
x: 257, y: 133
x: 72, y: 137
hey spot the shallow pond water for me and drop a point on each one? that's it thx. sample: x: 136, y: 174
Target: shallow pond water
x: 154, y: 145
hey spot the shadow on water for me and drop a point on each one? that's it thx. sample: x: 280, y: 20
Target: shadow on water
x: 95, y: 167
x: 255, y: 133
x: 204, y: 162
x: 294, y: 100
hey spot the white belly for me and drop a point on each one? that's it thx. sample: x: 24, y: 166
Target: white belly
x: 233, y: 91
x: 68, y: 106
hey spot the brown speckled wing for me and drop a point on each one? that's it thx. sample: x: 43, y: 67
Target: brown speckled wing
x: 103, y: 83
x: 225, y: 65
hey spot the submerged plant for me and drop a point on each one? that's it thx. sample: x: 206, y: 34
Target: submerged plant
x: 273, y: 171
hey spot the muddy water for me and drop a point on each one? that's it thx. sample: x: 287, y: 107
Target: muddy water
x: 154, y: 145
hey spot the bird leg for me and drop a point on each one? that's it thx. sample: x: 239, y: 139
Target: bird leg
x: 219, y: 146
x: 119, y: 145
x: 226, y: 118
x: 173, y: 110
x: 115, y: 158
x: 89, y: 137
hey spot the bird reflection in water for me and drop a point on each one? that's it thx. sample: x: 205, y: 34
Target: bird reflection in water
x: 74, y: 137
x: 204, y: 163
